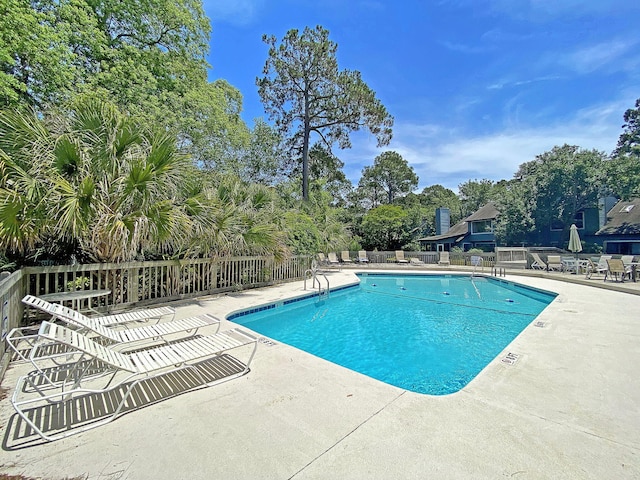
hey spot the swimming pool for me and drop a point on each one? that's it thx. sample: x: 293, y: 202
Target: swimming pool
x: 429, y: 334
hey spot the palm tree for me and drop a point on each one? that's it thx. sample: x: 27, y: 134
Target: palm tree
x: 92, y: 177
x: 232, y: 217
x: 116, y: 190
x: 25, y: 153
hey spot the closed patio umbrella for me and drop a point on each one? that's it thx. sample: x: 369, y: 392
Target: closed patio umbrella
x: 575, y: 245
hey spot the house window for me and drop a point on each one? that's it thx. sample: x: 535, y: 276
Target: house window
x: 482, y: 226
x: 558, y: 225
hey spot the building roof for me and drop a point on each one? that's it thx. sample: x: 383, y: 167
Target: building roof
x: 623, y: 219
x: 486, y: 212
x: 459, y: 229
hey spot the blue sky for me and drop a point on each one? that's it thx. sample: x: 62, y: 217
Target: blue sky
x: 476, y: 87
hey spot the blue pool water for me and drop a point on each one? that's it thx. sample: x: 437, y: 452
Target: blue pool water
x: 425, y: 333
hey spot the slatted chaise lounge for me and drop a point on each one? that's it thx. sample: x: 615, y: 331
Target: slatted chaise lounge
x: 66, y: 402
x: 554, y: 262
x: 444, y: 259
x: 20, y: 342
x: 400, y: 257
x: 538, y: 263
x: 333, y: 258
x: 106, y: 320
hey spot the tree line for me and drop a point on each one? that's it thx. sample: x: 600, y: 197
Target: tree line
x: 114, y: 146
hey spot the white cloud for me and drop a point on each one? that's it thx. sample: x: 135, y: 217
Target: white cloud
x: 463, y: 48
x: 499, y: 35
x: 450, y: 157
x: 235, y: 12
x: 577, y: 7
x: 535, y: 10
x: 503, y: 83
x: 596, y: 57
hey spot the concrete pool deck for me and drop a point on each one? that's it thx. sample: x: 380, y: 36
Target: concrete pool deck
x: 569, y: 408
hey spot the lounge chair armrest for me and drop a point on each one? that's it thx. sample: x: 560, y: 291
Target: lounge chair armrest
x: 17, y: 340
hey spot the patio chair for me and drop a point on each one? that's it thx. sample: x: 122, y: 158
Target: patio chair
x: 630, y: 265
x: 152, y: 332
x: 538, y: 263
x: 344, y: 255
x: 627, y: 259
x: 601, y: 265
x: 400, y: 257
x: 592, y: 267
x: 617, y: 269
x: 362, y: 257
x: 322, y: 260
x: 333, y: 259
x: 89, y: 401
x: 569, y: 264
x: 554, y: 262
x: 415, y: 261
x: 444, y: 259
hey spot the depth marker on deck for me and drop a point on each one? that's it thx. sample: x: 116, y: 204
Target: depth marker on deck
x: 510, y: 358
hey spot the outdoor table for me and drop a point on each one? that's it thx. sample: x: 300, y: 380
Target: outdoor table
x: 75, y: 297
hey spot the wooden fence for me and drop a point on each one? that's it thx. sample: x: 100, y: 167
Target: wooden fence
x: 11, y: 293
x: 143, y: 283
x: 455, y: 258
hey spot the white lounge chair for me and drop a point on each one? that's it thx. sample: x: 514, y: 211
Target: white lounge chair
x: 538, y: 263
x: 345, y: 257
x: 554, y: 262
x: 333, y: 259
x: 76, y: 399
x: 444, y: 259
x: 415, y: 261
x: 141, y: 315
x: 627, y: 259
x: 400, y: 257
x: 362, y: 257
x: 602, y: 262
x: 20, y: 343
